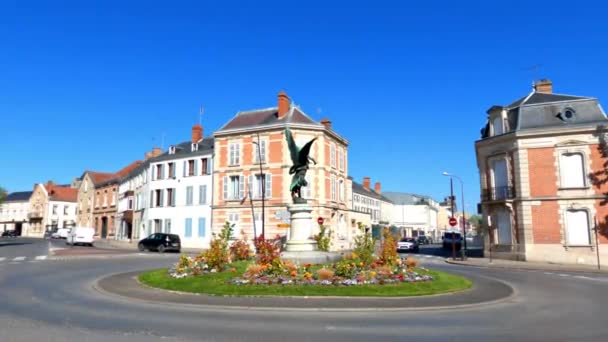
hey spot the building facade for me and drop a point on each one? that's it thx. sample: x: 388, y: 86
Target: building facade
x: 368, y: 200
x: 86, y: 196
x: 14, y: 211
x: 257, y: 137
x: 541, y: 163
x: 181, y: 190
x: 415, y: 214
x: 51, y: 206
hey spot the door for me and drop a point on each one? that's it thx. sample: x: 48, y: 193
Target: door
x: 18, y: 228
x: 104, y: 227
x: 504, y: 227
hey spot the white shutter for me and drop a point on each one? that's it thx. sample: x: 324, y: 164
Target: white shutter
x: 241, y: 187
x: 577, y: 226
x: 252, y: 188
x: 225, y: 187
x: 263, y: 148
x: 332, y: 155
x: 209, y: 161
x: 185, y: 168
x: 237, y: 153
x: 268, y: 186
x: 195, y: 161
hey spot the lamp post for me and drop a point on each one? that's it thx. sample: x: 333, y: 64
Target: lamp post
x: 464, y: 219
x: 263, y: 183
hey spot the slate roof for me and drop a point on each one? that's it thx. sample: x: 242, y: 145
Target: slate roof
x: 404, y: 198
x: 538, y: 98
x: 20, y: 196
x: 267, y: 117
x: 359, y: 189
x: 184, y: 150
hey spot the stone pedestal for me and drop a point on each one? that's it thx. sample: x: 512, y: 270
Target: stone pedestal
x: 301, y: 248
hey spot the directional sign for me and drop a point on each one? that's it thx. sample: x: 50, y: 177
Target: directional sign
x: 283, y: 225
x: 453, y: 221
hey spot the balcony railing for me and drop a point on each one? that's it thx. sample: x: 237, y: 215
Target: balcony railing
x: 498, y: 193
x: 34, y: 215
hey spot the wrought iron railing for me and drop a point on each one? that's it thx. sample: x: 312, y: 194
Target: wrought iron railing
x: 498, y: 193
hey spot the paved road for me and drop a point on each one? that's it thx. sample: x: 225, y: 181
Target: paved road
x: 54, y: 301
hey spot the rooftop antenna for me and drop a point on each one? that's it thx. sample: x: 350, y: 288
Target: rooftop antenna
x: 162, y: 141
x: 535, y: 71
x: 201, y: 110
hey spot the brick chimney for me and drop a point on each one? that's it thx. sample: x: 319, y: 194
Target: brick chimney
x: 326, y: 122
x: 156, y: 151
x: 367, y: 183
x: 197, y: 133
x: 377, y: 187
x: 284, y: 103
x: 544, y: 86
x: 148, y: 155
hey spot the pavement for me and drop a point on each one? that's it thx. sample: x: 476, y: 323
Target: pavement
x: 526, y: 265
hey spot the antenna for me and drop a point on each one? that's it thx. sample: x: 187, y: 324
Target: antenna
x: 201, y: 110
x: 535, y: 71
x: 162, y: 141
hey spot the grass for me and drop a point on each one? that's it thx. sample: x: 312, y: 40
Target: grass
x: 215, y: 284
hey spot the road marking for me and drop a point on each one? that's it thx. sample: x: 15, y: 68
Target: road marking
x: 2, y: 258
x: 583, y: 277
x: 428, y: 256
x: 21, y: 258
x: 563, y: 275
x: 549, y: 273
x: 41, y: 257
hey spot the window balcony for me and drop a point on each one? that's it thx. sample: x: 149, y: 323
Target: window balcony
x: 498, y: 193
x: 34, y: 215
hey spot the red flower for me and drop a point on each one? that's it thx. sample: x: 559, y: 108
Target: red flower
x: 401, y: 277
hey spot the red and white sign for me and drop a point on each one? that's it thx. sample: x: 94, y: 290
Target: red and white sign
x: 453, y: 221
x: 320, y: 220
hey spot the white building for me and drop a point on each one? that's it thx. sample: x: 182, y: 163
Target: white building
x: 172, y: 193
x: 414, y: 214
x: 14, y: 211
x: 371, y: 201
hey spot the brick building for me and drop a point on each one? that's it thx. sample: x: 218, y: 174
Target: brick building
x: 86, y: 195
x: 237, y: 172
x: 538, y: 159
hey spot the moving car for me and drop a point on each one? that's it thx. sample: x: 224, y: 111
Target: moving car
x: 160, y: 242
x: 9, y: 233
x: 424, y: 240
x: 80, y: 235
x: 448, y: 237
x: 408, y: 245
x: 61, y: 233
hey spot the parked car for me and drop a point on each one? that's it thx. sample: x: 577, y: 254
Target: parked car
x: 9, y: 233
x: 408, y: 245
x: 160, y: 242
x: 61, y: 233
x: 424, y: 240
x: 448, y: 237
x: 80, y: 235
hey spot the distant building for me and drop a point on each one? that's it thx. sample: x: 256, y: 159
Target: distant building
x: 371, y: 201
x: 52, y: 206
x: 414, y: 214
x: 537, y: 160
x: 14, y: 211
x: 86, y: 195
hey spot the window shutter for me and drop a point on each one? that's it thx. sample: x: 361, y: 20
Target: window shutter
x: 263, y: 149
x: 251, y: 187
x: 201, y: 227
x: 225, y: 187
x: 188, y: 232
x: 195, y: 167
x: 173, y: 196
x: 162, y: 193
x: 237, y: 154
x: 209, y: 162
x: 152, y: 199
x: 268, y: 185
x: 241, y: 187
x: 162, y: 171
x: 185, y: 168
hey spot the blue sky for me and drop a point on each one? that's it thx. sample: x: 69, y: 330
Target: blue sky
x: 94, y: 86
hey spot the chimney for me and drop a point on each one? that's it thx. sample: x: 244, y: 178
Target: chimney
x: 544, y: 86
x: 156, y: 151
x: 148, y: 155
x: 377, y: 187
x: 283, y: 104
x: 326, y: 122
x: 366, y: 183
x: 197, y: 133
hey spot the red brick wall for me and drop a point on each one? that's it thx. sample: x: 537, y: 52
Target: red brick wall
x: 545, y: 220
x: 541, y: 169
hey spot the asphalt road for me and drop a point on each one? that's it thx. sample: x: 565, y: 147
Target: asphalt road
x: 52, y: 300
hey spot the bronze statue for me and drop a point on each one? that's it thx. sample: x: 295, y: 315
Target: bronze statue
x: 300, y: 158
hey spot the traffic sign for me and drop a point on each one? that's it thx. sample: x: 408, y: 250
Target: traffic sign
x: 283, y: 225
x: 453, y: 221
x: 320, y: 220
x: 283, y: 215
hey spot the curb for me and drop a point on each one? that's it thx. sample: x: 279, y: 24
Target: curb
x: 525, y: 268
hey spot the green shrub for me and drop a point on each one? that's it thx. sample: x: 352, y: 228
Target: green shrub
x: 323, y: 238
x: 365, y: 245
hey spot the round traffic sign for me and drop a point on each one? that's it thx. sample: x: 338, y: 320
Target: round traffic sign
x: 320, y: 220
x: 453, y: 221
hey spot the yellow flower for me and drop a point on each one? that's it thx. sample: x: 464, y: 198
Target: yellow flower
x: 372, y: 273
x: 361, y: 263
x: 353, y: 255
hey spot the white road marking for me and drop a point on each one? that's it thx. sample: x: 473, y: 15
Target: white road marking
x: 563, y: 275
x: 549, y: 273
x: 428, y: 256
x: 2, y: 258
x: 583, y: 277
x: 21, y: 258
x: 41, y: 257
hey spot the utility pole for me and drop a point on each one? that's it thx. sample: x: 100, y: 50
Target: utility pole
x: 452, y: 213
x: 263, y: 183
x: 597, y: 244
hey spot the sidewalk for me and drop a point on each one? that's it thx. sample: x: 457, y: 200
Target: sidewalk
x: 527, y: 265
x: 132, y: 246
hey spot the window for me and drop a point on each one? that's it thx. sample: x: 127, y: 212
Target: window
x: 113, y: 202
x: 86, y: 186
x: 572, y: 172
x: 497, y: 126
x: 159, y: 171
x: 190, y: 167
x: 259, y: 150
x: 205, y: 167
x: 233, y: 219
x: 577, y: 228
x: 171, y: 197
x: 201, y: 227
x: 341, y: 160
x: 168, y: 226
x: 171, y: 149
x: 130, y: 204
x: 65, y: 210
x: 256, y: 186
x: 332, y: 155
x: 234, y: 187
x: 307, y: 190
x: 333, y: 189
x: 194, y: 147
x: 158, y: 198
x: 503, y: 227
x: 341, y: 190
x: 235, y: 154
x: 105, y: 198
x: 500, y: 179
x: 202, y: 194
x: 55, y: 209
x: 188, y: 232
x: 189, y: 195
x: 172, y: 170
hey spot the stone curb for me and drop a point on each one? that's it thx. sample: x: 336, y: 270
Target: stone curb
x: 486, y: 291
x: 547, y: 268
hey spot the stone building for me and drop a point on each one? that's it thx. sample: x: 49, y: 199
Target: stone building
x: 14, y: 211
x: 52, y: 206
x: 86, y: 195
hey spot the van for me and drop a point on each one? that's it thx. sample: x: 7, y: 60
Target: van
x: 80, y: 235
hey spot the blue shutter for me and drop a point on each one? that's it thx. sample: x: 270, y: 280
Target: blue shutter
x: 195, y: 167
x: 185, y: 168
x: 209, y: 161
x: 202, y: 194
x: 173, y: 196
x: 225, y: 187
x: 201, y: 227
x: 188, y: 232
x: 241, y: 187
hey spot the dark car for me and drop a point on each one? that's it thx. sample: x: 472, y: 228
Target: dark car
x: 424, y: 240
x: 450, y: 239
x: 408, y: 245
x: 9, y: 233
x: 161, y: 242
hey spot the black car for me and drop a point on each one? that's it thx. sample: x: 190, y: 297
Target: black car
x: 161, y: 242
x: 424, y: 240
x: 9, y: 233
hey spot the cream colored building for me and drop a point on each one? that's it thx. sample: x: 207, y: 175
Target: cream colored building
x: 14, y: 211
x: 86, y: 195
x: 51, y: 206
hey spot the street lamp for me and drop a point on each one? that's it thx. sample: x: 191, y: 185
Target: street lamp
x: 263, y: 183
x: 464, y: 219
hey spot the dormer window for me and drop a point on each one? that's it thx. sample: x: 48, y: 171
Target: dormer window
x: 194, y: 147
x: 171, y: 149
x: 497, y: 128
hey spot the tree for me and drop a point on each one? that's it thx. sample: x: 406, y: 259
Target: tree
x: 475, y: 220
x: 3, y: 194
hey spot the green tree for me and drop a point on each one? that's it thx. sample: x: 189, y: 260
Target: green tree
x: 3, y: 194
x: 475, y: 220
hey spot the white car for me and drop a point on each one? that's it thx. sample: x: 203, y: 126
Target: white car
x: 61, y: 233
x: 80, y: 235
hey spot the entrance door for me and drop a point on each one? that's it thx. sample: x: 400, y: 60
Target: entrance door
x: 504, y: 227
x: 129, y: 230
x: 18, y: 228
x: 104, y: 227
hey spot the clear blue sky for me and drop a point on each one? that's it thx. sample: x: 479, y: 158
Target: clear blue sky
x: 95, y: 86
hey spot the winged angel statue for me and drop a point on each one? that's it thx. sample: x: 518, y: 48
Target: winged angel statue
x: 300, y: 159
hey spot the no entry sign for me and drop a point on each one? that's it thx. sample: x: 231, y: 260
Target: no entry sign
x: 453, y: 221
